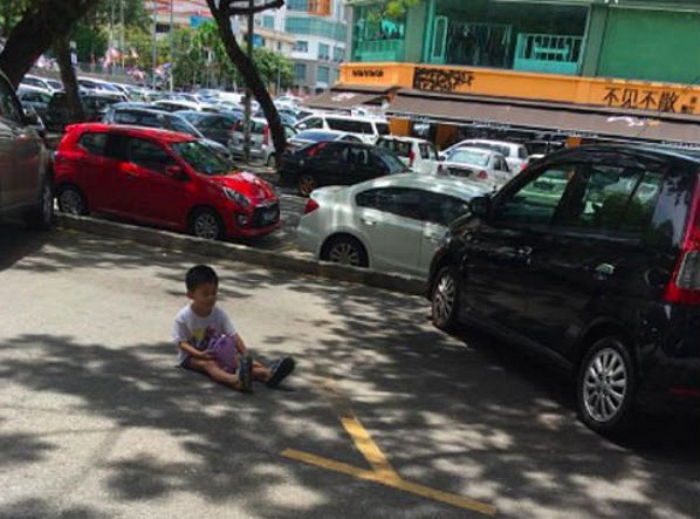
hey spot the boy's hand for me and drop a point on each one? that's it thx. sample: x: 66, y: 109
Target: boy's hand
x: 205, y: 356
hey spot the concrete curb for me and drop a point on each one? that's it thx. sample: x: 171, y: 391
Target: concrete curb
x: 290, y: 261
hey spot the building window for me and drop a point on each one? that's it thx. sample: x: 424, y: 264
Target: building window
x: 298, y: 5
x: 338, y: 54
x: 300, y: 71
x: 268, y: 21
x: 323, y: 75
x: 317, y: 27
x: 336, y: 75
x: 301, y: 46
x: 324, y: 51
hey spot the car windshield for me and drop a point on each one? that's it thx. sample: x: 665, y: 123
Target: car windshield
x: 476, y: 157
x: 391, y: 160
x: 503, y: 150
x: 201, y: 158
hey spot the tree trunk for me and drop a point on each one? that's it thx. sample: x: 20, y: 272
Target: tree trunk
x: 70, y: 82
x: 39, y: 27
x: 250, y: 75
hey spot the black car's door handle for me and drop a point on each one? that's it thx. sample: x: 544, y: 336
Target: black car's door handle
x: 602, y: 271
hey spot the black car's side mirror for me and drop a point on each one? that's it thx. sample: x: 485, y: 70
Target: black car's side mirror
x: 480, y: 206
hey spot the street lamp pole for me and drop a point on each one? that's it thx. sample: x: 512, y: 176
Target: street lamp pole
x: 248, y: 93
x: 155, y: 48
x: 172, y: 46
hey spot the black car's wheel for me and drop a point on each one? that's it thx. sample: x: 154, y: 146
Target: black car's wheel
x: 306, y: 183
x: 444, y: 299
x: 41, y: 216
x: 606, y: 386
x: 345, y: 250
x: 72, y: 201
x: 206, y: 223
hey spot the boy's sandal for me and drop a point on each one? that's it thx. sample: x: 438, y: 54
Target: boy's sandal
x: 280, y: 369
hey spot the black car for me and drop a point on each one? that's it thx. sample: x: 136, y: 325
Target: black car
x: 337, y: 162
x: 592, y: 256
x: 217, y: 127
x: 94, y: 108
x: 128, y: 114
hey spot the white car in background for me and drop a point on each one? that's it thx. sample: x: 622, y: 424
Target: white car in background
x: 369, y: 129
x: 393, y: 223
x: 479, y: 165
x: 47, y: 84
x: 417, y: 154
x: 515, y: 154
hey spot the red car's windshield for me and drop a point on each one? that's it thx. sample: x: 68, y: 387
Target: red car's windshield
x: 201, y: 158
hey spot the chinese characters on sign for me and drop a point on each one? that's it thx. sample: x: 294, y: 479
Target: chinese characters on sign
x: 670, y: 101
x: 441, y: 80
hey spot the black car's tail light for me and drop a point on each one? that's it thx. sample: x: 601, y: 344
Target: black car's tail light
x: 684, y: 287
x: 313, y: 150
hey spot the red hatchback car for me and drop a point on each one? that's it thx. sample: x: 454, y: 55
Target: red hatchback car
x: 161, y: 178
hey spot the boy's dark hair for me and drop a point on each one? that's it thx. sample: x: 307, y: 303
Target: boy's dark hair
x: 200, y: 275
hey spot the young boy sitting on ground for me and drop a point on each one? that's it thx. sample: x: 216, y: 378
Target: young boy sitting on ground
x: 200, y: 324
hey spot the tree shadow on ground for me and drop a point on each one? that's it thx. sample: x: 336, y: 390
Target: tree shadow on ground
x: 469, y: 416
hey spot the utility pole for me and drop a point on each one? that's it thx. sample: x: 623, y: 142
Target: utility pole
x: 248, y: 91
x: 121, y: 32
x: 172, y: 46
x: 155, y: 47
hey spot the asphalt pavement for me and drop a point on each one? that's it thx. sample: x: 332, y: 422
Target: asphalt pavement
x: 384, y: 417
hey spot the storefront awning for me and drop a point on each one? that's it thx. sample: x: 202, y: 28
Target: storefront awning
x: 581, y: 120
x: 345, y: 97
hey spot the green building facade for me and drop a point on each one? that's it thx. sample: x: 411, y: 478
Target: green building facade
x: 652, y: 40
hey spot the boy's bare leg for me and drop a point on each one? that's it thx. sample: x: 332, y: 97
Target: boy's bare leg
x: 260, y: 372
x: 211, y: 368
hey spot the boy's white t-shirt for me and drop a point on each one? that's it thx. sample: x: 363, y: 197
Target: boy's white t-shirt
x: 197, y: 330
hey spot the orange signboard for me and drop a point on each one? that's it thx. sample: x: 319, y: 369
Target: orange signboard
x: 618, y: 93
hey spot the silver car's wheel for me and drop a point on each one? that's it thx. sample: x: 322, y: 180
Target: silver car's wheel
x: 41, y: 216
x: 606, y: 385
x: 444, y: 299
x: 206, y: 224
x: 272, y: 161
x: 71, y: 201
x: 345, y: 250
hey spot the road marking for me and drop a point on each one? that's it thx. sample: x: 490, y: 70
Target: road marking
x: 382, y: 472
x: 399, y: 484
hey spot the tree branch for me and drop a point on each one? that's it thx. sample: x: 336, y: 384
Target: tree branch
x: 275, y: 4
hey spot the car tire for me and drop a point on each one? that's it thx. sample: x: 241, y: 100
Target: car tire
x: 306, y: 183
x: 207, y: 224
x: 272, y: 161
x: 444, y: 299
x: 72, y: 201
x: 41, y: 216
x: 345, y: 250
x: 606, y: 386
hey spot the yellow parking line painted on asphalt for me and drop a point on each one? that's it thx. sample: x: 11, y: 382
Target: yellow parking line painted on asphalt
x: 382, y: 473
x: 368, y: 448
x: 393, y: 482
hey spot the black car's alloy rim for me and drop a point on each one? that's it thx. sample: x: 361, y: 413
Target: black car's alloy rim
x: 605, y: 385
x: 307, y: 184
x: 444, y: 298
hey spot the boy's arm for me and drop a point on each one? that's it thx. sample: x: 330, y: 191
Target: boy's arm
x: 240, y: 345
x: 194, y: 352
